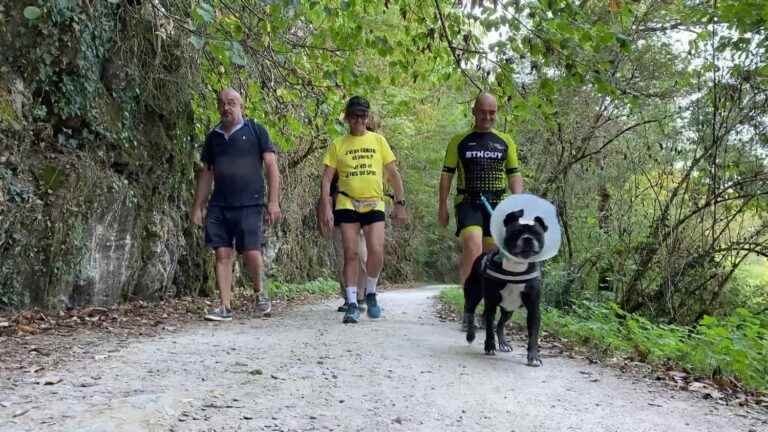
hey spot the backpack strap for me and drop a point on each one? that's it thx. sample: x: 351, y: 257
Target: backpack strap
x: 251, y: 127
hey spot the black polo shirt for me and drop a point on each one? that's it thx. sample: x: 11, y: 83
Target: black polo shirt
x: 236, y: 163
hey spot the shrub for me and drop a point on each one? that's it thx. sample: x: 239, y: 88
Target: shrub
x: 734, y: 346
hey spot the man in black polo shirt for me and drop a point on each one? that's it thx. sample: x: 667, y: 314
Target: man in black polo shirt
x: 235, y: 152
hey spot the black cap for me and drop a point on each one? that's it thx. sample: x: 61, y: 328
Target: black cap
x: 357, y: 104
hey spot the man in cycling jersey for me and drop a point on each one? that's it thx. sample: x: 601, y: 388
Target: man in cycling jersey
x: 487, y: 166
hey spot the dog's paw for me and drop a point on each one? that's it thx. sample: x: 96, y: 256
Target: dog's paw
x: 534, y: 360
x: 469, y: 327
x: 490, y: 348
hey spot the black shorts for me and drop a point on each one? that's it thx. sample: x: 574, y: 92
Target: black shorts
x: 235, y: 227
x: 342, y: 216
x: 472, y: 214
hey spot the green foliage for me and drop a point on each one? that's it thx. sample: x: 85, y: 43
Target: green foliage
x: 51, y: 178
x: 614, y: 114
x: 317, y: 54
x: 749, y: 287
x: 32, y: 13
x: 68, y: 64
x: 733, y: 346
x: 418, y: 126
x: 7, y: 114
x: 560, y: 44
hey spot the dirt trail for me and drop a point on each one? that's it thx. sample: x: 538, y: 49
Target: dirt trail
x: 307, y: 372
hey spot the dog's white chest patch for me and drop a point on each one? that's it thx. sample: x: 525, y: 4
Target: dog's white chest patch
x: 510, y: 296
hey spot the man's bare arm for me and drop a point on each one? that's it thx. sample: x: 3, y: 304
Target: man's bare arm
x: 442, y: 203
x: 273, y: 177
x: 515, y: 183
x: 202, y: 192
x: 273, y: 183
x: 445, y: 189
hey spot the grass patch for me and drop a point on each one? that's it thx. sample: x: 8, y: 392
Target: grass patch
x: 735, y: 346
x: 454, y: 298
x: 293, y: 291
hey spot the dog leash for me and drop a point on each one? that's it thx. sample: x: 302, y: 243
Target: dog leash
x: 486, y: 204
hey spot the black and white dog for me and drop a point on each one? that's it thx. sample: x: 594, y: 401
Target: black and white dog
x: 509, y: 283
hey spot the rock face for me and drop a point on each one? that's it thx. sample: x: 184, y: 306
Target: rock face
x: 160, y: 262
x: 108, y: 259
x: 97, y: 167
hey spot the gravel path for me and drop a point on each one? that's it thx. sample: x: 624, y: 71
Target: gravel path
x: 307, y: 372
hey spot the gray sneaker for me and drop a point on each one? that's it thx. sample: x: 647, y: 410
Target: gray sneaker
x: 219, y: 314
x: 264, y: 305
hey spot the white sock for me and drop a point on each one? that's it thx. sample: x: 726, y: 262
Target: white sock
x: 370, y: 287
x: 352, y: 294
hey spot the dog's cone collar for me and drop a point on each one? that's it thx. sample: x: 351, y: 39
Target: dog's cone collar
x: 532, y: 206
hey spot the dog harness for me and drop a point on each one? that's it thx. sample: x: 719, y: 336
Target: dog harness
x: 515, y: 277
x: 492, y: 266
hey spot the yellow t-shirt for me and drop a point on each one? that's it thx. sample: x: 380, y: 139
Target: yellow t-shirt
x: 360, y: 162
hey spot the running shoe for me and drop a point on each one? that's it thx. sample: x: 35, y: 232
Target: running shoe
x: 264, y: 304
x: 352, y: 315
x: 374, y: 311
x: 219, y: 314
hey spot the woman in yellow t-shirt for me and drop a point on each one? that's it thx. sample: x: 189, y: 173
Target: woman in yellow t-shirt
x: 361, y: 158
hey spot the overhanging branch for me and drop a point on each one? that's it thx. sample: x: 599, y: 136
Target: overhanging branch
x: 453, y: 49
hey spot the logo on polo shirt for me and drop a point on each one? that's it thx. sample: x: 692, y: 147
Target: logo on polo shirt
x: 484, y: 154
